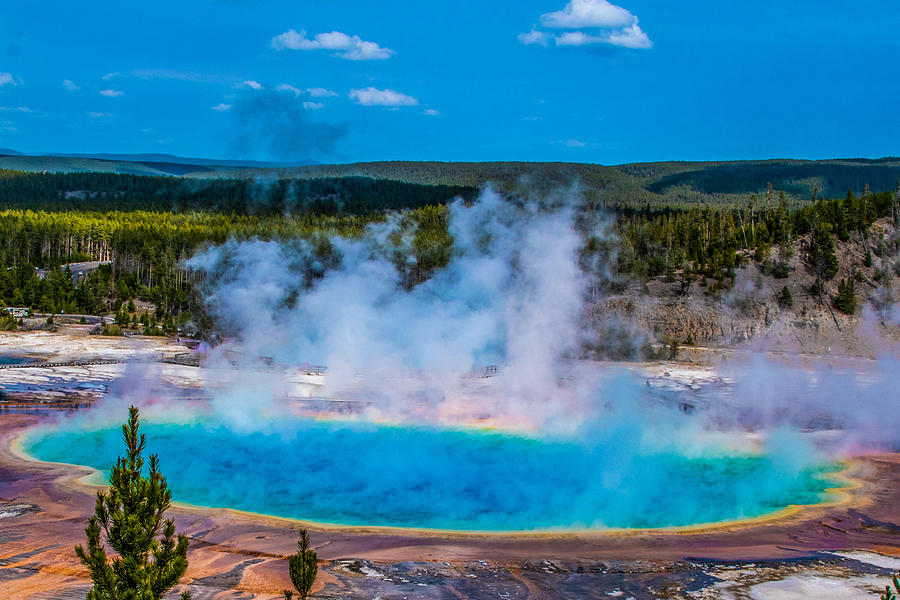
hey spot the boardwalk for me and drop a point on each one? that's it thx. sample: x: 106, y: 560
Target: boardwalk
x: 71, y: 363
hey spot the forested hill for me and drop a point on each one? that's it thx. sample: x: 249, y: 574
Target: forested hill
x: 670, y: 184
x: 694, y: 221
x: 123, y: 192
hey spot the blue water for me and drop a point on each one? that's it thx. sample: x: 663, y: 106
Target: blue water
x: 10, y: 359
x: 448, y: 479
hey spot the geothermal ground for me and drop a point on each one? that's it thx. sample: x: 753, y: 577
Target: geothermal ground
x: 843, y: 549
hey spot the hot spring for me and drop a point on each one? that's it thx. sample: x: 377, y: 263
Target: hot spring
x: 356, y: 474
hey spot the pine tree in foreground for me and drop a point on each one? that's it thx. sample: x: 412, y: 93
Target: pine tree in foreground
x: 130, y: 513
x: 302, y: 568
x: 888, y: 593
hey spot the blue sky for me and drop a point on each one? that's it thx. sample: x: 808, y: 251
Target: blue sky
x: 583, y: 80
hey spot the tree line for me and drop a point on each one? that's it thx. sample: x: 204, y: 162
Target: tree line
x: 145, y: 251
x: 713, y: 241
x: 145, y: 247
x: 94, y: 191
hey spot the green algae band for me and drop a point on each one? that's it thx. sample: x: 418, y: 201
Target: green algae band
x: 446, y: 479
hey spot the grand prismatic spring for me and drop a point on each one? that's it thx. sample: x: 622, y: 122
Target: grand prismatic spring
x: 382, y: 475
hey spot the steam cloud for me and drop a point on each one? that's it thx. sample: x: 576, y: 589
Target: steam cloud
x: 279, y: 126
x: 514, y: 294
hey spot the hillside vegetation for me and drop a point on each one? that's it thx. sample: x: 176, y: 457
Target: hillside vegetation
x: 660, y: 184
x: 109, y: 191
x: 146, y: 226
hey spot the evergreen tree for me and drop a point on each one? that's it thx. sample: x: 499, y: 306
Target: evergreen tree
x: 849, y: 217
x: 302, y: 568
x: 673, y: 350
x: 817, y: 289
x: 7, y: 321
x: 821, y: 256
x: 888, y: 592
x: 845, y: 301
x: 130, y: 513
x: 785, y: 300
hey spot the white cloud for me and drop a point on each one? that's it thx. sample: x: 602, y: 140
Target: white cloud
x: 177, y: 75
x: 431, y: 112
x: 222, y: 107
x: 590, y: 22
x: 630, y: 37
x: 109, y: 76
x: 70, y: 85
x: 534, y: 37
x: 588, y: 13
x: 320, y: 93
x: 371, y: 96
x: 112, y: 93
x: 8, y: 79
x: 99, y: 115
x: 351, y: 47
x: 253, y: 85
x: 313, y: 105
x: 21, y: 109
x: 572, y: 143
x: 576, y: 38
x: 284, y: 87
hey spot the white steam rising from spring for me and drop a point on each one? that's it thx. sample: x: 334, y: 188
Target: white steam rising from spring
x: 514, y: 294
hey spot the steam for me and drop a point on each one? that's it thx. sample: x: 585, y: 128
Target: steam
x: 853, y: 399
x: 512, y: 294
x: 516, y: 294
x: 279, y: 126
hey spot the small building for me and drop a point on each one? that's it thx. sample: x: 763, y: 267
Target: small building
x: 17, y: 311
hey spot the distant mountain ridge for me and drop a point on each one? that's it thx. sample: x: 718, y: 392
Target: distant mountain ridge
x: 675, y: 183
x: 180, y: 160
x: 162, y: 158
x: 164, y: 165
x: 656, y: 184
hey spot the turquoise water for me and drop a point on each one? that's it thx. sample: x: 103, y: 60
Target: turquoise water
x: 447, y: 479
x: 9, y: 359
